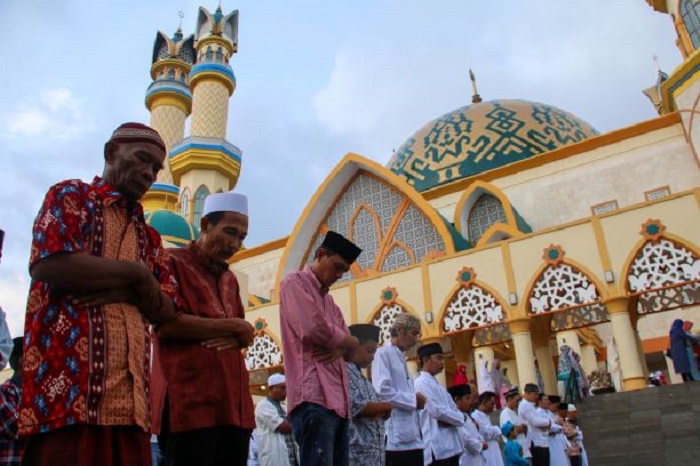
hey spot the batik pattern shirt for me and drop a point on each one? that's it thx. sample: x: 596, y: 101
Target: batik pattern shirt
x: 11, y: 447
x: 88, y: 365
x: 366, y: 434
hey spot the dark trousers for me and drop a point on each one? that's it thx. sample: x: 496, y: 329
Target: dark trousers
x: 687, y: 376
x: 451, y: 461
x: 540, y: 456
x: 321, y: 434
x: 404, y: 458
x: 211, y: 446
x: 575, y: 460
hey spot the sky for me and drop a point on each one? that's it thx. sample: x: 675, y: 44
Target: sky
x: 316, y: 79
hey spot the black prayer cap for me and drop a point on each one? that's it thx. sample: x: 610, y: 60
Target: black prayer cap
x: 563, y: 406
x: 429, y: 350
x: 511, y: 393
x: 365, y: 332
x: 554, y: 398
x: 458, y: 391
x: 17, y: 352
x: 343, y: 246
x: 531, y: 388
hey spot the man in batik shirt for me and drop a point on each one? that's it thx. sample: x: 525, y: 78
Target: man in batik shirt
x: 366, y: 430
x: 99, y: 278
x: 11, y: 447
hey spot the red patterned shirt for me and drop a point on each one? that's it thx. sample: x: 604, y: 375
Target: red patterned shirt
x: 88, y: 365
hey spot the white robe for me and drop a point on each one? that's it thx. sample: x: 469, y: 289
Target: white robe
x: 491, y: 434
x: 558, y: 443
x: 486, y: 381
x: 393, y: 383
x: 509, y: 415
x: 272, y: 448
x: 473, y: 444
x: 439, y: 420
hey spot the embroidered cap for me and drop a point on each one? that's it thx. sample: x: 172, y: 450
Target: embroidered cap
x: 137, y: 132
x: 276, y: 379
x: 226, y: 202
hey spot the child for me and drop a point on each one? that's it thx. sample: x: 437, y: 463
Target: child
x: 570, y: 431
x: 513, y: 452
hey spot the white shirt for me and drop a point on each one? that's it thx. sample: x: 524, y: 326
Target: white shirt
x: 441, y: 440
x: 393, y: 383
x: 486, y: 382
x: 272, y: 448
x: 537, y: 424
x: 509, y: 415
x: 491, y: 434
x: 558, y: 443
x: 473, y: 443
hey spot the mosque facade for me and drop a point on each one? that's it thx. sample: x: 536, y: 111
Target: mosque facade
x: 509, y: 227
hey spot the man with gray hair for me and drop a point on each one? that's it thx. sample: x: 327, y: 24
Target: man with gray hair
x: 394, y: 384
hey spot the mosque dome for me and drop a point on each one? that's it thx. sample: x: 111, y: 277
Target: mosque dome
x: 484, y: 136
x: 173, y: 227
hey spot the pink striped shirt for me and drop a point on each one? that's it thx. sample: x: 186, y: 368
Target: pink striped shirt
x: 310, y: 318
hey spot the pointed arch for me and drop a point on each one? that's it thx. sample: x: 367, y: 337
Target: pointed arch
x: 185, y: 203
x: 566, y: 292
x: 199, y: 195
x: 469, y: 199
x: 356, y: 180
x: 365, y: 230
x: 662, y: 272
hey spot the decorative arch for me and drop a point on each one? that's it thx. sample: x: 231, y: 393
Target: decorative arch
x: 199, y: 196
x: 663, y: 272
x: 185, y: 203
x: 482, y: 196
x: 386, y: 311
x: 566, y: 292
x: 378, y: 210
x: 266, y: 351
x: 689, y: 11
x: 474, y: 307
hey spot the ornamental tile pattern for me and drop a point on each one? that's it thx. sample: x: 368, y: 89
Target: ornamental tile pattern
x: 264, y: 352
x: 484, y: 136
x: 471, y: 308
x: 561, y: 287
x: 384, y: 320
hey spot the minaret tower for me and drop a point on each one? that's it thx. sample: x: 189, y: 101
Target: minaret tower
x: 206, y: 162
x: 170, y: 102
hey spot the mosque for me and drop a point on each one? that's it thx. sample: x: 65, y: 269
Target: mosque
x: 509, y: 227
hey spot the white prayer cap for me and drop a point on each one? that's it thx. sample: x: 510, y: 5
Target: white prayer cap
x: 275, y: 379
x: 226, y: 202
x: 571, y: 408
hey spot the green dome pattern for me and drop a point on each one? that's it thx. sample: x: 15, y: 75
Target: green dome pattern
x: 484, y: 136
x: 173, y: 227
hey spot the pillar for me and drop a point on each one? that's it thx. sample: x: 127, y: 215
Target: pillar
x: 481, y: 354
x: 632, y: 370
x: 547, y: 369
x: 589, y: 362
x: 513, y: 375
x: 524, y: 356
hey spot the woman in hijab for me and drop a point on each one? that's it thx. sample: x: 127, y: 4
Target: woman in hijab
x: 680, y: 341
x: 692, y: 350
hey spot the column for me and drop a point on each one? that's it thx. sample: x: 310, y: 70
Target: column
x: 588, y: 359
x: 632, y: 371
x: 481, y: 354
x: 524, y: 356
x: 546, y: 366
x: 512, y: 371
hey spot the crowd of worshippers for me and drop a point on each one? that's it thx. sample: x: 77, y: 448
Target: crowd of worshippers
x: 124, y: 339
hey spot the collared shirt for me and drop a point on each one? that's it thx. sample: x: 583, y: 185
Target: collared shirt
x: 537, y: 424
x: 309, y: 319
x: 88, y: 365
x: 490, y: 433
x: 11, y: 447
x: 366, y: 434
x: 473, y: 443
x: 393, y: 383
x: 205, y: 387
x: 508, y: 414
x: 439, y: 420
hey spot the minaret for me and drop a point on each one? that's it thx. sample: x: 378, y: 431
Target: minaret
x: 206, y: 162
x: 170, y: 102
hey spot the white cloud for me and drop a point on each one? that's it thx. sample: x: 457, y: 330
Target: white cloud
x: 55, y: 113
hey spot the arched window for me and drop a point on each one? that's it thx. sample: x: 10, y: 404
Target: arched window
x: 171, y: 73
x: 199, y: 196
x: 219, y: 55
x: 185, y: 204
x: 690, y: 12
x: 487, y: 211
x: 210, y: 55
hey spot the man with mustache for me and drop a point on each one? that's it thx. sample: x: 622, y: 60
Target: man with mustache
x: 201, y: 396
x: 99, y: 278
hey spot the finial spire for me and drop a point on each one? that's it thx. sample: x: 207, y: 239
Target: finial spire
x: 476, y: 98
x: 181, y: 15
x: 656, y: 60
